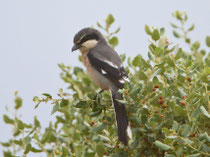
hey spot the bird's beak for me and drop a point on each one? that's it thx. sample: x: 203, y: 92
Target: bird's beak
x: 75, y: 47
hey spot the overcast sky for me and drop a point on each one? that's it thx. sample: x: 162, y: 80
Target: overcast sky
x: 36, y: 35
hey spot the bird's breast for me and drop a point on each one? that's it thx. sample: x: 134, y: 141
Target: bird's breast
x: 98, y: 78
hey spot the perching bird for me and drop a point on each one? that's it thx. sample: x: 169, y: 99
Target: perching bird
x: 105, y: 68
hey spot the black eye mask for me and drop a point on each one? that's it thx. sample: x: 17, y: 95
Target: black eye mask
x: 89, y: 37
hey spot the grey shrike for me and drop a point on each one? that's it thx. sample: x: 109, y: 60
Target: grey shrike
x: 105, y: 68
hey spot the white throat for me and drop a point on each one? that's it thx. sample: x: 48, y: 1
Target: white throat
x: 89, y: 44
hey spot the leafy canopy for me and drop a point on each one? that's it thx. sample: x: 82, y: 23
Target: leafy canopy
x: 167, y: 102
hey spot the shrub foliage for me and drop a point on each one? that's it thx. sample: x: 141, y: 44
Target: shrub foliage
x: 167, y: 101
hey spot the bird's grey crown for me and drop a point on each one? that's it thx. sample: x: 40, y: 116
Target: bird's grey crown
x: 87, y: 34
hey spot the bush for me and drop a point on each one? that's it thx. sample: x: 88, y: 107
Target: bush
x: 167, y: 101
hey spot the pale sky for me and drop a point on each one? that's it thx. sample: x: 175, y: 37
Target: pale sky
x: 36, y: 35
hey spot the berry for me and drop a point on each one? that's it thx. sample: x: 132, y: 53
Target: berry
x: 192, y: 135
x: 184, y: 97
x: 165, y: 106
x: 188, y: 79
x: 92, y: 123
x: 105, y: 153
x: 183, y: 103
x: 117, y: 146
x: 156, y: 86
x: 160, y: 101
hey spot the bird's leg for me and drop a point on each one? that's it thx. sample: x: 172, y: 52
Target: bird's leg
x: 96, y: 96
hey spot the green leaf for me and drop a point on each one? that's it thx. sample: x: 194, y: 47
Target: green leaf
x: 94, y: 114
x: 175, y: 126
x: 18, y: 103
x: 8, y: 154
x: 204, y: 112
x: 142, y: 76
x: 20, y: 124
x: 122, y: 154
x: 46, y: 137
x: 162, y: 146
x: 208, y: 41
x: 195, y: 46
x: 179, y: 54
x: 55, y: 108
x: 81, y: 104
x: 5, y: 144
x: 109, y: 20
x: 47, y: 95
x: 173, y: 25
x: 151, y: 56
x: 27, y: 140
x: 7, y: 119
x: 113, y: 41
x: 76, y: 71
x: 36, y: 99
x: 187, y: 130
x: 137, y: 60
x: 100, y: 127
x: 28, y: 148
x: 36, y: 122
x: 64, y: 102
x: 65, y: 152
x: 162, y: 31
x: 117, y: 31
x: 179, y: 111
x: 100, y: 149
x: 176, y: 34
x: 99, y: 25
x: 34, y: 150
x: 191, y: 28
x: 122, y: 57
x: 147, y: 30
x: 194, y: 155
x: 155, y: 35
x: 18, y: 142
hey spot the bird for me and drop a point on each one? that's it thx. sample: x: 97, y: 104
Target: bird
x: 105, y: 68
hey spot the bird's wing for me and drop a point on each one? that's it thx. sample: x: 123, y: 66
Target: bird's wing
x: 107, y: 62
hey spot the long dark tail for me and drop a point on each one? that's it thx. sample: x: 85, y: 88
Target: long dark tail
x: 121, y: 117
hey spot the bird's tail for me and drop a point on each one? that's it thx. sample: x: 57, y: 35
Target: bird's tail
x: 121, y: 117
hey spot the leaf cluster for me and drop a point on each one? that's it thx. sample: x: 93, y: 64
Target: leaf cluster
x: 167, y: 102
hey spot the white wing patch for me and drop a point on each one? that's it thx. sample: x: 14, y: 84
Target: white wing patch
x: 126, y: 79
x: 110, y: 63
x: 122, y: 81
x: 103, y: 72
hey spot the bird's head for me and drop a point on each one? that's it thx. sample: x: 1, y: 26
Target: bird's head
x: 86, y: 39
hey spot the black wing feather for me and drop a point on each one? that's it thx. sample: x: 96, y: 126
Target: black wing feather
x: 96, y: 58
